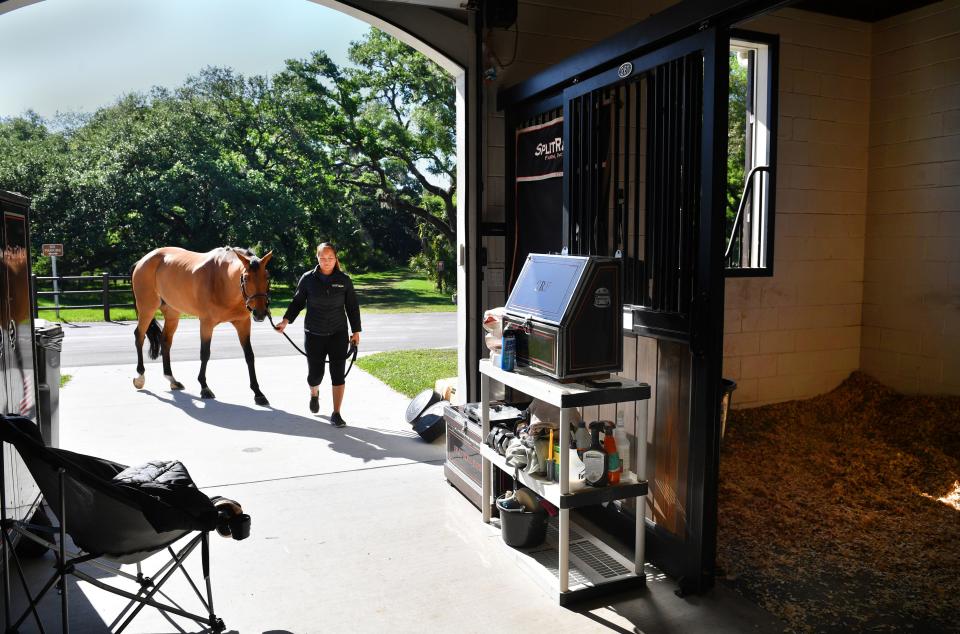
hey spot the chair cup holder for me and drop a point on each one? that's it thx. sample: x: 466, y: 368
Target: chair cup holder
x: 235, y: 526
x: 240, y: 527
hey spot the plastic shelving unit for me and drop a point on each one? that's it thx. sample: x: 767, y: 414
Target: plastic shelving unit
x: 597, y: 569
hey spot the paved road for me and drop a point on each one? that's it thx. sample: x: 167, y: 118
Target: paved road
x: 112, y: 343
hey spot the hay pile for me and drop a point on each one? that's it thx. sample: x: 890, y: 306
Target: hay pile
x: 842, y: 512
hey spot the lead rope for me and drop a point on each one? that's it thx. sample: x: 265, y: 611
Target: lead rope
x: 352, y: 354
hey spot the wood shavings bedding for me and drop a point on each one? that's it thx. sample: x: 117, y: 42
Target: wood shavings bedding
x: 842, y: 512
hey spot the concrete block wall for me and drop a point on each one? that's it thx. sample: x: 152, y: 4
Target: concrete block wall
x: 797, y: 334
x: 911, y: 305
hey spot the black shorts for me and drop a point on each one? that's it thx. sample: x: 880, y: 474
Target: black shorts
x: 318, y: 349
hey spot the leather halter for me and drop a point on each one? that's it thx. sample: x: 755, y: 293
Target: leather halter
x: 249, y: 298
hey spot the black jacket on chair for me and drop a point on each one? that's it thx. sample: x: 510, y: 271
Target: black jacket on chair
x: 111, y: 515
x: 330, y: 302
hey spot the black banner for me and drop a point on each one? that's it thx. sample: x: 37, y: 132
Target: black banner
x: 538, y: 192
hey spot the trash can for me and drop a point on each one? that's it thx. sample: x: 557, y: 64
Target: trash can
x: 49, y: 338
x: 727, y: 386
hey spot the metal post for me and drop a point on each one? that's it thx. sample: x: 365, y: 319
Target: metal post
x: 36, y: 298
x: 564, y: 490
x: 56, y: 287
x: 640, y: 458
x: 61, y: 554
x: 106, y: 297
x: 205, y: 560
x: 486, y: 465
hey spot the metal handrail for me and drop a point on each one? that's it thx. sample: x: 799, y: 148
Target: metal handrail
x: 747, y: 186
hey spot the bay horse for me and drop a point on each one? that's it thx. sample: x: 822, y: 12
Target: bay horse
x: 227, y: 284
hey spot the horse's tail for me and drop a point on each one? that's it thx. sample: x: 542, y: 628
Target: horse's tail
x: 153, y: 336
x: 154, y: 332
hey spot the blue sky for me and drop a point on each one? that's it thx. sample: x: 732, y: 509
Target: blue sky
x: 78, y: 55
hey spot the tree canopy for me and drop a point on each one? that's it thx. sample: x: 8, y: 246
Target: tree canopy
x: 362, y: 155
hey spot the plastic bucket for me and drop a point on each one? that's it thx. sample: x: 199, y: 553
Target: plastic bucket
x: 726, y: 393
x: 520, y: 528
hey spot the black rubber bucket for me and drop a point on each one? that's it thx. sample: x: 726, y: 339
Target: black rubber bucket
x: 727, y: 387
x: 521, y: 528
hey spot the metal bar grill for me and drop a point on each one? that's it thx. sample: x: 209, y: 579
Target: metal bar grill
x: 644, y: 133
x: 654, y: 187
x: 628, y: 256
x: 670, y: 209
x: 585, y: 211
x: 640, y: 289
x: 672, y: 184
x: 617, y: 180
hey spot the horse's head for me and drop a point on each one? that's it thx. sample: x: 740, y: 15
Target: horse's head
x: 255, y: 284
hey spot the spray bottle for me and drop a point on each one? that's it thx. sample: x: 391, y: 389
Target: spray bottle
x: 595, y: 458
x: 613, y: 458
x: 623, y: 443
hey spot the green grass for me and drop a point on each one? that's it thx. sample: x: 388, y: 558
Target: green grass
x: 400, y: 291
x: 395, y: 291
x: 411, y: 371
x: 64, y: 379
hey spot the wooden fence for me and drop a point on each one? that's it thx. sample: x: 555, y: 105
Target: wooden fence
x: 63, y: 287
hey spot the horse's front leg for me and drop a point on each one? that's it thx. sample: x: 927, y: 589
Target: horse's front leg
x: 243, y: 331
x: 206, y: 334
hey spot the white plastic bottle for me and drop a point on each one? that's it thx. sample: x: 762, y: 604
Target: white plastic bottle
x: 582, y: 438
x: 623, y: 443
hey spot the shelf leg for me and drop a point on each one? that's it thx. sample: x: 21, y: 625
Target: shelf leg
x: 564, y: 451
x: 485, y: 466
x: 564, y: 550
x: 641, y: 462
x: 564, y: 490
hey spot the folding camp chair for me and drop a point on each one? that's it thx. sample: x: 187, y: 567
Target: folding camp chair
x: 114, y: 515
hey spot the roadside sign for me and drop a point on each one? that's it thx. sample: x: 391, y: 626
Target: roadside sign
x: 49, y: 250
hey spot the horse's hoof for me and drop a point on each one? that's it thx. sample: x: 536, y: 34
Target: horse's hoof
x: 139, y: 382
x: 260, y: 399
x: 176, y: 385
x: 207, y: 393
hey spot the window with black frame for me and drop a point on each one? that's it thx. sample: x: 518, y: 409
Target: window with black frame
x: 752, y: 135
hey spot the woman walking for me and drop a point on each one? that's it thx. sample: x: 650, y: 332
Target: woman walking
x: 330, y: 299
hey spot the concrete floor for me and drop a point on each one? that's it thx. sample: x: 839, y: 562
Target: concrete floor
x: 354, y: 529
